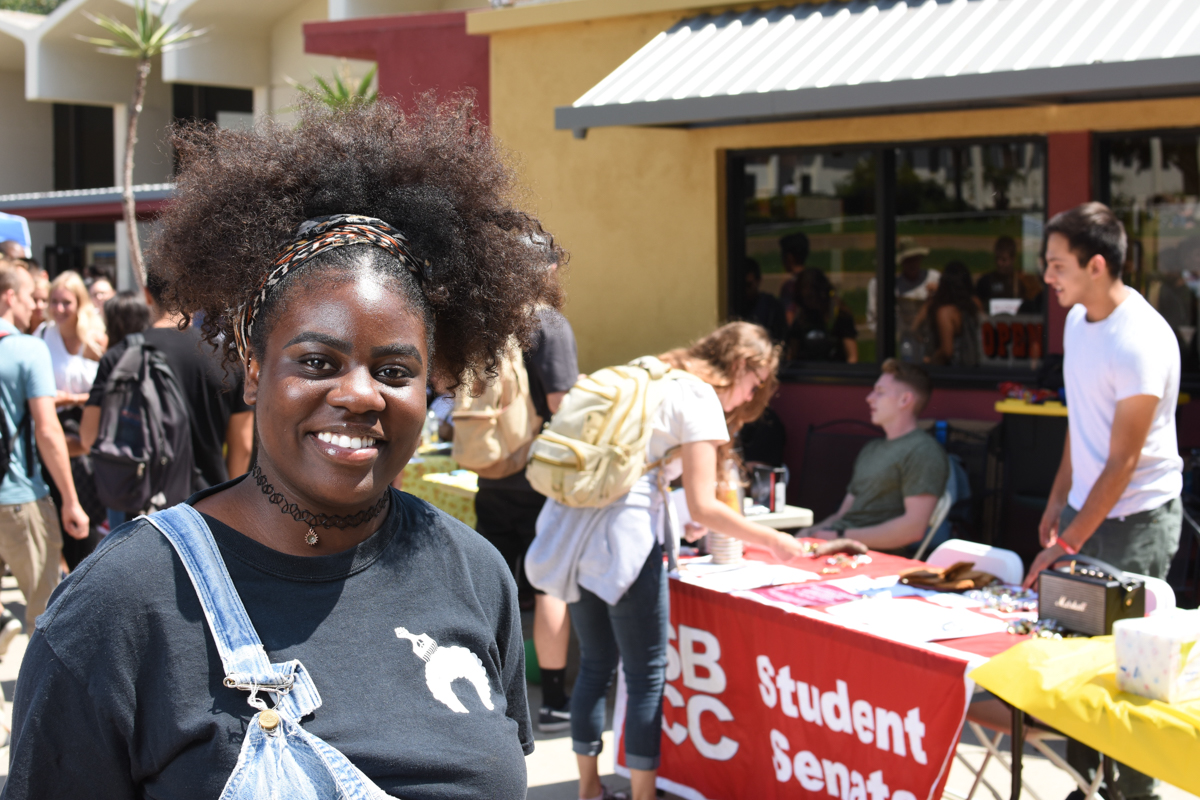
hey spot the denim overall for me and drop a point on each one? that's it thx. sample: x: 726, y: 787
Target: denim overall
x: 279, y: 759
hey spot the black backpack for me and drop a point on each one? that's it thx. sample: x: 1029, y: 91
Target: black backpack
x: 8, y: 439
x: 142, y: 457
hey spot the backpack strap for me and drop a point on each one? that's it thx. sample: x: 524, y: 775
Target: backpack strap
x: 242, y: 654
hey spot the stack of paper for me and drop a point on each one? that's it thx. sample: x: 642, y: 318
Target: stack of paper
x: 741, y: 577
x: 915, y: 620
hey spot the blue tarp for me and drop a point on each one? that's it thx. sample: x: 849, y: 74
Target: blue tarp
x: 16, y: 228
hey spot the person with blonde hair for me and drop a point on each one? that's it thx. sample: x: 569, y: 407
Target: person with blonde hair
x: 75, y: 335
x: 621, y: 606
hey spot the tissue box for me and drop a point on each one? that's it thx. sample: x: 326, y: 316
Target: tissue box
x: 1159, y: 657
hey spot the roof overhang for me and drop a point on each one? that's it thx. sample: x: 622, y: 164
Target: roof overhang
x: 235, y: 49
x: 893, y: 56
x: 87, y: 205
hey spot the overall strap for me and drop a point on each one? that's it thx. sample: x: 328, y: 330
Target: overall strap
x: 242, y: 654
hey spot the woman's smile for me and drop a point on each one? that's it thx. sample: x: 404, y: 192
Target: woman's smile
x: 348, y: 446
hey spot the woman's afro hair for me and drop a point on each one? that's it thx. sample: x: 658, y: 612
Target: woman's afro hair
x: 434, y: 174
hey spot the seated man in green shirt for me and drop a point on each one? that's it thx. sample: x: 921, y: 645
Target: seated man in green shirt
x: 897, y: 481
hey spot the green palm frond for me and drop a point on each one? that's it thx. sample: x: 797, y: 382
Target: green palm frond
x: 342, y: 92
x: 149, y: 36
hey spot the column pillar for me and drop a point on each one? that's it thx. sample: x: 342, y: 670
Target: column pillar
x: 1068, y: 183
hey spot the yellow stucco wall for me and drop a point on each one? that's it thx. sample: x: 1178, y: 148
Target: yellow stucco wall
x: 640, y: 209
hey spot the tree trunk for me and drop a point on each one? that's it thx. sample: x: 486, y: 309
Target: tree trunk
x: 135, y: 110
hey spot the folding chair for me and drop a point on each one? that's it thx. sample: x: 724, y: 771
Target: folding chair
x: 940, y: 512
x: 995, y: 716
x: 958, y: 488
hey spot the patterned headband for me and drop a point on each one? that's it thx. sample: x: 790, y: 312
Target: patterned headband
x: 312, y: 238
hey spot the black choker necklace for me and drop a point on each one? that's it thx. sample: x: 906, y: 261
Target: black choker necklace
x: 316, y: 520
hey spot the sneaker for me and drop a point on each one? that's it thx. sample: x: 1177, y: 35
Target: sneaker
x: 554, y: 719
x: 8, y: 631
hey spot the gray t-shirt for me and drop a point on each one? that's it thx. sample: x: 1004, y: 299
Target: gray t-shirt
x: 889, y: 470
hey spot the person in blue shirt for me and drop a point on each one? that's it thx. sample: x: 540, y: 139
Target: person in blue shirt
x: 30, y: 538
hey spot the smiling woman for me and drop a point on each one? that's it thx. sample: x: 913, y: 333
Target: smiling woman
x: 222, y: 648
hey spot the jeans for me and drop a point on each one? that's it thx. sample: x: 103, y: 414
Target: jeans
x: 1143, y: 543
x: 636, y: 630
x: 279, y: 758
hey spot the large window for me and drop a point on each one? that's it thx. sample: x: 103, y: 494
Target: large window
x: 1153, y: 183
x: 968, y: 290
x: 958, y: 226
x: 810, y: 252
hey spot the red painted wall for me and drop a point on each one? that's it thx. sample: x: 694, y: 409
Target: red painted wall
x: 415, y: 53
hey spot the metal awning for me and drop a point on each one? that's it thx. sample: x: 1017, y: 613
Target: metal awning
x: 862, y: 57
x: 87, y: 205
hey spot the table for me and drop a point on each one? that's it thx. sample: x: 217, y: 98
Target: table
x: 1070, y: 685
x: 763, y: 695
x: 1051, y: 408
x: 789, y: 518
x: 412, y: 480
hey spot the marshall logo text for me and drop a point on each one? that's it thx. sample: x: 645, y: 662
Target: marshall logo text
x: 1070, y: 605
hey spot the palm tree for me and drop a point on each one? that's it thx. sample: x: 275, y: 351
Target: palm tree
x: 342, y: 93
x: 150, y: 37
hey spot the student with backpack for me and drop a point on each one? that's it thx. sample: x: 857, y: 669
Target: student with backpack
x: 30, y: 538
x: 162, y: 398
x: 620, y: 436
x: 492, y: 435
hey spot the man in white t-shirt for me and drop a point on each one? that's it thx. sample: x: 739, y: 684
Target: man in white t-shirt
x: 1116, y: 494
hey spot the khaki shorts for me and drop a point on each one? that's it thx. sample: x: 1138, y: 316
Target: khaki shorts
x: 31, y: 545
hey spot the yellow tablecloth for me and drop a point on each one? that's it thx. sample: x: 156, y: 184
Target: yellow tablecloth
x: 1071, y: 685
x: 412, y: 480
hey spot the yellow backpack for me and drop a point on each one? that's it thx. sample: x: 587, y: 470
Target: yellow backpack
x: 594, y: 448
x: 493, y: 431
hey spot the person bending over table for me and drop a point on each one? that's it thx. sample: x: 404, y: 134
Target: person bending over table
x: 607, y: 562
x: 1116, y: 494
x: 897, y: 480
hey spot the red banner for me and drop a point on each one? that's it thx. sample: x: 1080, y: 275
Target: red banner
x: 761, y: 703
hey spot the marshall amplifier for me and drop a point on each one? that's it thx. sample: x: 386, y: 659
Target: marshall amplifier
x: 1086, y: 595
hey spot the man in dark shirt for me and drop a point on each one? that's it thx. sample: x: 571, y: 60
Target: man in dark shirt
x: 1002, y: 282
x: 793, y: 251
x: 507, y: 510
x: 762, y: 309
x: 222, y: 423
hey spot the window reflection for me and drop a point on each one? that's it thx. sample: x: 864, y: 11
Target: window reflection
x: 1153, y: 183
x: 969, y: 225
x: 810, y: 252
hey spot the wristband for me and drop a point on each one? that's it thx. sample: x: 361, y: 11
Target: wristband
x: 1066, y: 548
